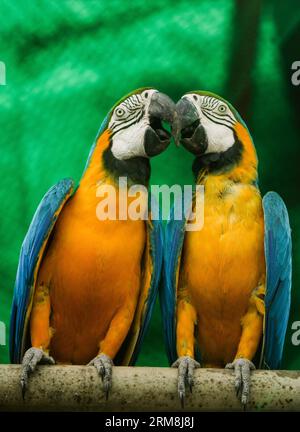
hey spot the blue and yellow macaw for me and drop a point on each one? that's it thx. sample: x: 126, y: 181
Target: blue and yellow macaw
x: 85, y: 288
x: 227, y: 287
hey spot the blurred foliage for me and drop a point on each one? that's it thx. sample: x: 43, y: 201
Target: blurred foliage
x: 67, y: 62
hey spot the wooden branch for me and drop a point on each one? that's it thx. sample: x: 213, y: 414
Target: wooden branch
x: 78, y: 388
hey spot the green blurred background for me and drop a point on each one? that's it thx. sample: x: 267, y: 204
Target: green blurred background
x: 68, y: 62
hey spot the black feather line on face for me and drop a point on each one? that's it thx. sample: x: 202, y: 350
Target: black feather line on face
x: 222, y: 121
x: 219, y: 163
x: 126, y: 123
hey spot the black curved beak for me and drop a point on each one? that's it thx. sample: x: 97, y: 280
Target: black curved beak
x: 189, y: 131
x: 157, y: 138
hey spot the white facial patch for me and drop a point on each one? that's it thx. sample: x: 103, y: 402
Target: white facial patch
x: 128, y: 124
x: 217, y: 120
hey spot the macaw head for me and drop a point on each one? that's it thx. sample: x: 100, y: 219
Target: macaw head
x: 133, y: 132
x: 136, y: 125
x: 210, y: 128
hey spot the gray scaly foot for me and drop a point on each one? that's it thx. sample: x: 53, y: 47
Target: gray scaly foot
x: 104, y: 365
x: 31, y: 359
x: 186, y: 366
x: 242, y: 369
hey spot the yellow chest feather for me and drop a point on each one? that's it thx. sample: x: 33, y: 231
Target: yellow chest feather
x: 224, y: 261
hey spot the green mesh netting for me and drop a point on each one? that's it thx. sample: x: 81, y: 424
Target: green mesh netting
x: 68, y: 62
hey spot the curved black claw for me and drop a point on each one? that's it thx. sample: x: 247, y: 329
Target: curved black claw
x: 104, y: 365
x: 186, y: 366
x: 242, y: 369
x: 31, y: 359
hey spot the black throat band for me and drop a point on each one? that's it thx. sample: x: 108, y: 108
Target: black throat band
x: 137, y: 169
x: 219, y: 163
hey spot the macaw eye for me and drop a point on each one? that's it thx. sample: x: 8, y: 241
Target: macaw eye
x: 120, y: 112
x: 222, y: 108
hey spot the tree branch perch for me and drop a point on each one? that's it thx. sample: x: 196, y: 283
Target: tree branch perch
x: 78, y: 388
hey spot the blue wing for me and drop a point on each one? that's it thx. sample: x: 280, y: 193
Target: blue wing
x: 151, y: 273
x: 174, y: 236
x: 173, y: 243
x: 31, y: 253
x: 278, y: 254
x: 156, y: 251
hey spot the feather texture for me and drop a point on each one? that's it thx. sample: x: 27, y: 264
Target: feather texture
x: 278, y: 254
x: 31, y: 253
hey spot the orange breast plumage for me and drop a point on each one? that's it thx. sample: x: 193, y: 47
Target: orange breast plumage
x: 221, y: 266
